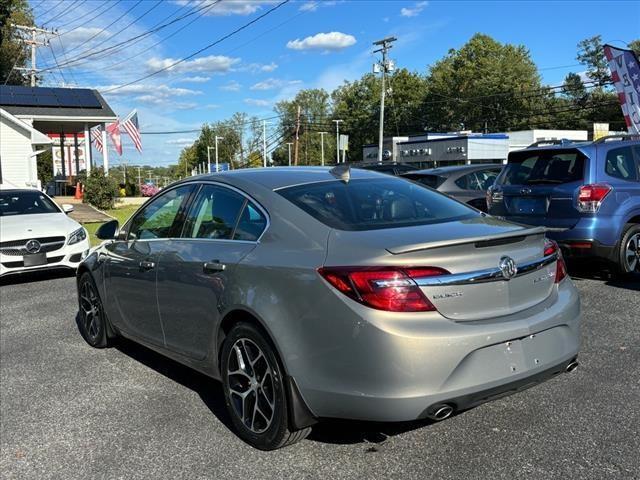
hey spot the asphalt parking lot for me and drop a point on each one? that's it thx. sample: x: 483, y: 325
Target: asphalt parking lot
x: 69, y: 411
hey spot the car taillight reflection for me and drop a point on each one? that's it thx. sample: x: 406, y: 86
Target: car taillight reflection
x: 550, y: 248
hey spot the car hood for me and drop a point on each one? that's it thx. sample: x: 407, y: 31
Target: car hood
x: 19, y: 227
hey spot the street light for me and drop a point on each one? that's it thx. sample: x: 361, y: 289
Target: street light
x: 217, y: 138
x: 209, y: 158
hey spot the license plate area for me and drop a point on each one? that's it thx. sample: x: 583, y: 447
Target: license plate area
x: 35, y: 259
x: 528, y: 205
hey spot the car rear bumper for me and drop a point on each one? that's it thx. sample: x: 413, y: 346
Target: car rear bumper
x: 398, y: 371
x: 68, y: 256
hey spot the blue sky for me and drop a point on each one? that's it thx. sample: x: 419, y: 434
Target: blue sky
x: 303, y: 44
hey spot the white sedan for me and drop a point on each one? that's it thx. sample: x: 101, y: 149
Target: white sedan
x: 36, y: 234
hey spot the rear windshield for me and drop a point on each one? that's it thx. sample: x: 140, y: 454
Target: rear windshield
x: 27, y: 202
x: 433, y: 181
x: 544, y: 167
x: 370, y: 204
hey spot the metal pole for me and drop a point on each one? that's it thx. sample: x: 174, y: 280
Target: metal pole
x: 87, y: 148
x: 322, y: 134
x: 386, y: 45
x: 217, y: 138
x: 289, y: 145
x: 264, y: 143
x: 105, y: 150
x: 209, y: 159
x: 337, y: 140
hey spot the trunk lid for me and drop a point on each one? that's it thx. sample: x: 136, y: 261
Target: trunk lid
x: 463, y: 248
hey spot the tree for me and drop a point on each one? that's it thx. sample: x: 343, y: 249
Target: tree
x: 12, y: 51
x: 484, y: 84
x: 591, y: 54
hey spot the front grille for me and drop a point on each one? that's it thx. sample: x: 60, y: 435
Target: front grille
x: 16, y: 248
x: 20, y: 263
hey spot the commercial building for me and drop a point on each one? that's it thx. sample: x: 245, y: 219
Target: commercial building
x: 523, y: 138
x: 34, y: 119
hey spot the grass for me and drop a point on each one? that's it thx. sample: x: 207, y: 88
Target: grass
x: 121, y: 214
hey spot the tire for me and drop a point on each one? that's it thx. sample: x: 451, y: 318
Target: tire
x: 629, y: 264
x: 92, y: 321
x: 254, y: 390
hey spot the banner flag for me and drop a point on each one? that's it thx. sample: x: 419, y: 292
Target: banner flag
x: 113, y: 130
x: 625, y: 74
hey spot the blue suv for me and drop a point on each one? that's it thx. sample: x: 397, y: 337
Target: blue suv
x: 587, y: 194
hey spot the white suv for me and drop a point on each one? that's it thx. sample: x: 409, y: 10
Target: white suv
x: 36, y: 234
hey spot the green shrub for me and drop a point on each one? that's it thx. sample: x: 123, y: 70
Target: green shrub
x: 99, y: 190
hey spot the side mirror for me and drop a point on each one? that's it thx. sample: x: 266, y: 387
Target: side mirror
x: 108, y: 231
x: 67, y: 208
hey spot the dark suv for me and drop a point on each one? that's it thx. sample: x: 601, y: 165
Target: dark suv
x: 587, y: 194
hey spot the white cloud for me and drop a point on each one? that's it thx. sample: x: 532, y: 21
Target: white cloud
x: 331, y: 41
x: 230, y: 7
x: 256, y: 102
x: 195, y: 79
x: 156, y: 90
x: 414, y: 11
x: 209, y: 64
x: 232, y: 86
x: 210, y: 106
x: 180, y: 141
x: 273, y: 83
x: 308, y: 7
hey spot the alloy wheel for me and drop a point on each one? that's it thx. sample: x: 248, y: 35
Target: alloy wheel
x: 251, y: 385
x: 91, y: 309
x: 632, y: 253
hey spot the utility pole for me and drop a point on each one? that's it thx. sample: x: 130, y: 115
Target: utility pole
x: 33, y: 42
x: 297, y: 142
x: 264, y: 143
x: 289, y: 146
x: 217, y: 138
x: 337, y: 122
x: 385, y: 66
x: 322, y: 134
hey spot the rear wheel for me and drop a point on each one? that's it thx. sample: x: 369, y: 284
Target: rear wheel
x: 629, y: 251
x: 254, y: 390
x: 92, y: 321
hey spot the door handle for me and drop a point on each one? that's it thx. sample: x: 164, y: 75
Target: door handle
x: 147, y: 265
x: 213, y: 267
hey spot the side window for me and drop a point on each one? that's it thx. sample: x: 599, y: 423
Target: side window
x: 157, y: 218
x: 251, y: 224
x: 636, y: 151
x: 214, y: 213
x: 620, y: 164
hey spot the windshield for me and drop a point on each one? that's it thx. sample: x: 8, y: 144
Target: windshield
x: 16, y: 202
x: 544, y: 167
x: 369, y: 204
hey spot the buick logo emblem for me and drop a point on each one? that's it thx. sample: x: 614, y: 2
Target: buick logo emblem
x: 508, y: 267
x: 32, y: 246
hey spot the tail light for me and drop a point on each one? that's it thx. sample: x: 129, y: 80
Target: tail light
x: 550, y: 248
x: 385, y: 288
x: 590, y: 197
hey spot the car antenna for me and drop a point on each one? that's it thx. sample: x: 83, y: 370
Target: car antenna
x: 342, y: 172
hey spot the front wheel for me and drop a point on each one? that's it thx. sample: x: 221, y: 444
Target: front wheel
x: 92, y: 321
x: 629, y: 251
x: 254, y: 390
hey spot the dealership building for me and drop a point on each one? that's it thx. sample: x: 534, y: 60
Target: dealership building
x: 459, y: 148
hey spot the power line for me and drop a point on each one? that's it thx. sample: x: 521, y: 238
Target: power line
x: 49, y: 9
x: 64, y: 12
x: 207, y: 47
x: 111, y: 5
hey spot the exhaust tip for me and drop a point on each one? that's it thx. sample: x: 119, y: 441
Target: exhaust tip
x: 440, y: 412
x: 572, y: 366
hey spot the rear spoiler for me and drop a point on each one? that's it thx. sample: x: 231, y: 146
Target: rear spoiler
x: 524, y: 232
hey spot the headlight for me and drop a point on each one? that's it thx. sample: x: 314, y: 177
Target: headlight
x: 77, y: 236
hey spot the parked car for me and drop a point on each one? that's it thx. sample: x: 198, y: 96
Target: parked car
x: 314, y: 293
x: 36, y: 234
x: 389, y: 168
x: 587, y: 193
x: 466, y: 183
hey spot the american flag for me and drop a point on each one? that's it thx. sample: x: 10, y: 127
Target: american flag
x: 96, y: 137
x: 625, y: 73
x: 130, y: 124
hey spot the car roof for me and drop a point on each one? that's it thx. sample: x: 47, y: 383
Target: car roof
x: 274, y: 178
x: 446, y: 171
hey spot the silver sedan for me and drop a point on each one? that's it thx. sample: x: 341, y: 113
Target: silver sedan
x: 315, y: 293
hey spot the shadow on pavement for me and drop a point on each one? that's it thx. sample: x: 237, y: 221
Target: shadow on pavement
x: 209, y: 390
x: 38, y: 276
x: 584, y: 271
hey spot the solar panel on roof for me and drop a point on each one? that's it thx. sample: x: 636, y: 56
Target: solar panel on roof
x: 48, y: 97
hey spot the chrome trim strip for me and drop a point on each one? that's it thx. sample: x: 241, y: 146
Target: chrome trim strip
x: 484, y: 276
